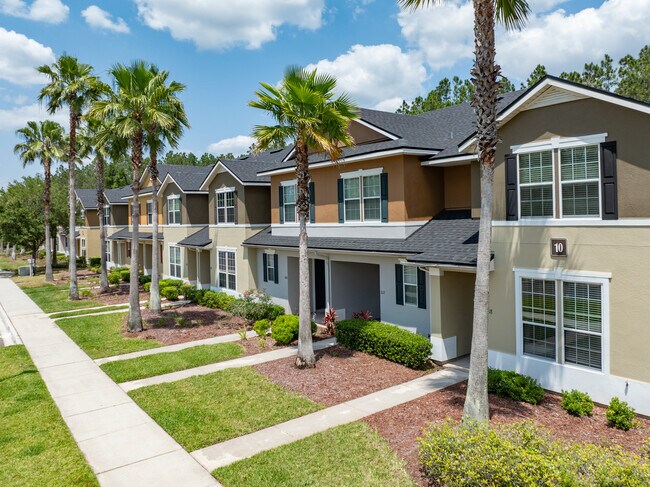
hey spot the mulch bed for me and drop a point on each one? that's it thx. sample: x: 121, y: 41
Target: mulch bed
x: 340, y: 375
x: 401, y: 425
x: 116, y: 295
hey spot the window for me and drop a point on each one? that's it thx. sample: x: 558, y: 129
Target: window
x: 175, y: 266
x: 536, y: 184
x: 362, y: 198
x: 227, y: 273
x: 289, y: 203
x: 226, y: 206
x: 174, y: 210
x: 270, y: 267
x: 108, y: 251
x: 128, y: 250
x: 410, y: 285
x: 107, y: 215
x: 149, y: 212
x: 580, y: 180
x: 562, y: 320
x: 83, y: 247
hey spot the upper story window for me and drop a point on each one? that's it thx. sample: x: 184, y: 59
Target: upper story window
x: 226, y: 205
x: 106, y: 215
x: 580, y: 180
x: 174, y: 210
x: 363, y: 196
x: 288, y: 197
x: 536, y: 184
x: 149, y: 212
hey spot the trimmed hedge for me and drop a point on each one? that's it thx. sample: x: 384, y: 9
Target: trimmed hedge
x: 95, y: 262
x: 169, y: 292
x: 384, y: 341
x: 144, y: 279
x: 261, y: 327
x: 217, y: 299
x: 147, y: 287
x: 577, y: 403
x: 620, y: 414
x: 507, y: 383
x: 285, y: 329
x: 170, y: 282
x: 114, y: 278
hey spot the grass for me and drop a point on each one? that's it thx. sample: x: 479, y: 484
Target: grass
x: 101, y: 336
x: 351, y: 454
x: 36, y: 447
x: 51, y: 298
x: 164, y: 363
x: 66, y: 314
x: 208, y: 409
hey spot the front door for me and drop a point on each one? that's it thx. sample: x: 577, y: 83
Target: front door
x: 320, y: 299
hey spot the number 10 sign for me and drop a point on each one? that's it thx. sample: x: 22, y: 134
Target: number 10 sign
x: 558, y: 247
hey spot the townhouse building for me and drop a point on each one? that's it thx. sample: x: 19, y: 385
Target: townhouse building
x: 87, y: 234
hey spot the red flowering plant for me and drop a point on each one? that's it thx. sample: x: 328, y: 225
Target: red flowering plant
x: 362, y: 315
x: 329, y: 321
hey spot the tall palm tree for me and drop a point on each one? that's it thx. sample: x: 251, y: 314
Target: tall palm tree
x: 165, y: 120
x: 43, y: 141
x: 485, y: 72
x: 74, y: 85
x: 308, y: 114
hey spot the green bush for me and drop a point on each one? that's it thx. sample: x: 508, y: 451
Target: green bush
x: 385, y: 341
x: 508, y: 383
x: 577, y: 403
x: 196, y: 295
x: 81, y: 262
x: 95, y: 262
x: 254, y: 305
x: 261, y: 327
x: 285, y: 329
x: 114, y: 278
x: 147, y: 287
x: 170, y: 282
x: 274, y: 311
x: 144, y: 279
x: 125, y: 275
x: 620, y: 415
x: 96, y: 269
x: 186, y: 290
x: 217, y: 299
x: 169, y: 292
x: 472, y: 454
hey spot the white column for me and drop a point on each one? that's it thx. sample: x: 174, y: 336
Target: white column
x: 198, y: 268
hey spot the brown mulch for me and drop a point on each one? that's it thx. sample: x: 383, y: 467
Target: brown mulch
x: 401, y: 425
x: 116, y: 295
x: 340, y: 375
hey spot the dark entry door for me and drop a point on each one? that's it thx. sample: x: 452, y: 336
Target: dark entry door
x: 319, y: 284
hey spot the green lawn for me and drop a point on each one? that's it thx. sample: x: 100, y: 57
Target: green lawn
x: 51, y: 298
x: 36, y: 447
x: 101, y: 336
x: 208, y: 409
x: 351, y: 454
x: 81, y: 312
x: 163, y: 363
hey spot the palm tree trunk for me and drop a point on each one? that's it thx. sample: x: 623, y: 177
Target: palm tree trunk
x: 103, y: 274
x: 154, y: 290
x: 49, y: 276
x: 135, y: 317
x: 73, y: 294
x: 54, y: 250
x: 484, y: 78
x: 306, y: 357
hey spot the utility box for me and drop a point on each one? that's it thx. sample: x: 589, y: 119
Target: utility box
x: 24, y: 271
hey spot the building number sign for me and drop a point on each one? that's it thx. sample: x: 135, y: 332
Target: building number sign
x: 558, y: 247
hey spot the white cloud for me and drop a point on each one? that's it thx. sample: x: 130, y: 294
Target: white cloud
x: 50, y: 11
x: 222, y: 24
x: 101, y: 19
x: 377, y: 76
x: 235, y: 145
x: 20, y: 55
x: 17, y: 117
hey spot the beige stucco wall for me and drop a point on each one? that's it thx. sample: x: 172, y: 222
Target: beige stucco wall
x: 253, y: 202
x: 232, y: 237
x: 92, y: 241
x: 457, y: 299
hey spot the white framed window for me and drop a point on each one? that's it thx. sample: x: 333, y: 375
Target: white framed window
x: 580, y: 181
x: 226, y: 205
x: 362, y: 195
x: 227, y: 269
x: 108, y: 251
x: 536, y: 184
x: 175, y: 261
x: 149, y: 212
x: 410, y: 285
x: 106, y: 215
x: 563, y: 317
x: 83, y: 247
x: 174, y: 210
x: 289, y: 209
x: 271, y: 270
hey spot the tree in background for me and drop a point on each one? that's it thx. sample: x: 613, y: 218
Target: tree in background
x: 43, y: 141
x: 74, y: 85
x: 190, y: 159
x: 634, y: 76
x: 485, y: 78
x: 21, y: 213
x: 306, y: 113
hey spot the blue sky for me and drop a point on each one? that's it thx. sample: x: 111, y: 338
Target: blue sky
x: 221, y: 50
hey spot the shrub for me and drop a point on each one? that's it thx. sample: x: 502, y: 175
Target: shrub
x: 96, y: 269
x: 285, y: 329
x: 217, y: 299
x: 472, y: 454
x: 170, y: 292
x: 362, y: 315
x: 261, y: 327
x: 95, y: 262
x: 170, y: 282
x: 329, y: 321
x: 81, y: 262
x: 195, y: 295
x: 385, y: 341
x: 577, y: 403
x: 254, y: 305
x: 114, y: 278
x: 508, y: 383
x: 144, y: 279
x: 125, y: 275
x: 273, y: 311
x: 85, y: 293
x: 620, y: 415
x: 186, y: 289
x: 147, y: 287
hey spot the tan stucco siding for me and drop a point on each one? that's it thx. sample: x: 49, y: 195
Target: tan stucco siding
x: 253, y: 202
x: 457, y: 187
x: 456, y: 299
x: 423, y: 190
x: 233, y: 237
x: 257, y: 205
x: 120, y: 215
x: 91, y: 218
x: 91, y: 235
x: 196, y: 209
x: 624, y: 252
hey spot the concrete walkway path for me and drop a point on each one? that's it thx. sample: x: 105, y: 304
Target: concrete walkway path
x: 259, y: 358
x: 122, y: 444
x: 246, y: 446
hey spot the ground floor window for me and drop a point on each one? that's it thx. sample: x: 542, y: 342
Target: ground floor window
x: 563, y: 320
x: 83, y: 247
x: 227, y: 272
x: 175, y: 268
x: 108, y: 252
x: 270, y: 264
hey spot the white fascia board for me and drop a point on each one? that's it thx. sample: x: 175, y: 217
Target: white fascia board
x: 288, y: 156
x: 452, y: 161
x: 215, y: 170
x: 376, y: 129
x: 166, y: 181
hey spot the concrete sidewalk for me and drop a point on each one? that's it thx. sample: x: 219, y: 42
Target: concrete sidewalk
x: 121, y: 443
x: 246, y: 446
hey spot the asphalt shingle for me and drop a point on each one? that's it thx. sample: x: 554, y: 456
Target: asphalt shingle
x: 87, y: 197
x: 197, y: 239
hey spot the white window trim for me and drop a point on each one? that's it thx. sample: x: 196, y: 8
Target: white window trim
x: 224, y: 191
x: 404, y: 284
x: 149, y: 220
x: 362, y: 172
x: 270, y: 264
x: 558, y: 143
x: 182, y: 266
x: 227, y: 249
x: 577, y: 181
x: 174, y: 197
x: 106, y: 207
x: 292, y: 182
x: 526, y: 185
x: 560, y: 275
x: 109, y: 254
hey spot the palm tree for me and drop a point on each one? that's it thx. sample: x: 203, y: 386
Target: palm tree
x: 71, y: 84
x: 43, y: 141
x: 485, y: 73
x: 165, y: 120
x: 308, y: 114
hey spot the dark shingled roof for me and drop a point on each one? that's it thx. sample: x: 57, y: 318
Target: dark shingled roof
x: 197, y: 239
x: 188, y: 178
x: 451, y: 238
x: 114, y: 196
x: 87, y: 197
x: 124, y: 234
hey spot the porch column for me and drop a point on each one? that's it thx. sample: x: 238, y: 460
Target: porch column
x: 442, y: 349
x: 144, y: 259
x: 198, y: 268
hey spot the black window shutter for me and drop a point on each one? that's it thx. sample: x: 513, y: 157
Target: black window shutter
x: 422, y: 289
x: 384, y: 197
x: 312, y: 205
x: 234, y: 197
x: 512, y: 212
x: 399, y: 283
x: 275, y: 267
x: 281, y: 203
x: 608, y: 180
x: 265, y: 258
x: 341, y: 206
